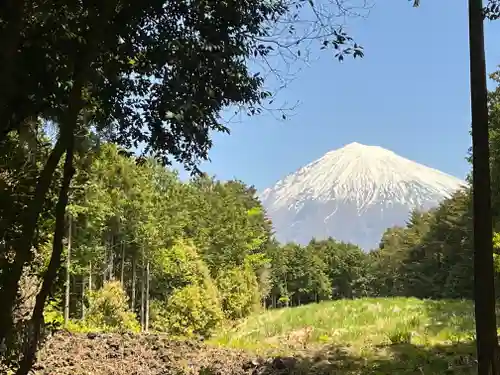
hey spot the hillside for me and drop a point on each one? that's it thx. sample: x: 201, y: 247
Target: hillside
x: 367, y: 336
x: 353, y: 194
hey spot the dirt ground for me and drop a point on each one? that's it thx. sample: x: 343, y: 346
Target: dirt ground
x: 128, y: 354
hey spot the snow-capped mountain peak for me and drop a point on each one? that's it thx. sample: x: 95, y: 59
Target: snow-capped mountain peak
x: 360, y: 178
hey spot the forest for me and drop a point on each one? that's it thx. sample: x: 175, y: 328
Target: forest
x: 147, y: 251
x: 97, y: 236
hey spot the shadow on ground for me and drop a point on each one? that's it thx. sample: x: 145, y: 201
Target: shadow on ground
x: 455, y: 314
x: 394, y: 359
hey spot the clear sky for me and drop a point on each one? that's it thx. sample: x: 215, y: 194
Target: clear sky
x: 409, y: 94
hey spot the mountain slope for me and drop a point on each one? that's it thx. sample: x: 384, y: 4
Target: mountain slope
x: 353, y: 194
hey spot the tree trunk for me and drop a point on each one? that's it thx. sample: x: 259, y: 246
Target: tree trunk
x: 143, y: 293
x: 134, y: 281
x: 11, y: 279
x: 484, y: 289
x: 66, y: 142
x: 84, y: 309
x: 55, y: 260
x: 90, y: 276
x: 112, y: 258
x: 68, y: 277
x: 146, y: 320
x: 122, y: 271
x: 10, y: 285
x: 106, y: 263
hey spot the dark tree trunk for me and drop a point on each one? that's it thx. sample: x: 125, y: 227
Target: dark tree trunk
x: 30, y: 219
x: 143, y: 292
x: 68, y: 275
x: 484, y: 289
x: 82, y: 296
x: 112, y: 258
x: 54, y: 264
x: 146, y: 319
x: 122, y: 271
x: 65, y: 143
x: 106, y: 263
x: 134, y: 281
x: 90, y: 276
x: 11, y: 278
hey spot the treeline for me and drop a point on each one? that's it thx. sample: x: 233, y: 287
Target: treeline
x: 151, y: 74
x: 431, y: 256
x: 183, y: 257
x: 180, y: 257
x: 186, y: 254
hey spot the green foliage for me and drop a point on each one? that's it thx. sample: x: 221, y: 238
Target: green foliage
x: 109, y: 311
x: 206, y: 252
x: 193, y: 310
x: 52, y: 313
x: 364, y: 323
x: 431, y: 257
x: 227, y: 222
x: 187, y: 301
x: 93, y: 70
x: 178, y: 267
x: 158, y: 316
x: 319, y: 271
x: 239, y: 292
x: 400, y: 336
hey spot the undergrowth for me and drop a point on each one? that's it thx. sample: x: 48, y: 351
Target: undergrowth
x: 366, y: 336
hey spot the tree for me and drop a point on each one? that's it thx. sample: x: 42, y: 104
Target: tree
x: 137, y: 83
x: 239, y: 291
x: 484, y: 283
x: 109, y: 66
x: 226, y: 221
x: 484, y: 290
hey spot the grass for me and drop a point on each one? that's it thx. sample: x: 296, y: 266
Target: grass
x: 365, y: 336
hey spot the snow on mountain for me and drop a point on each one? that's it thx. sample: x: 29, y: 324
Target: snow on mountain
x: 353, y: 194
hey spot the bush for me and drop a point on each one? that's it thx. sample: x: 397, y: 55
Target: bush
x: 109, y: 311
x: 190, y: 311
x: 177, y: 267
x: 158, y: 316
x: 52, y: 313
x: 239, y: 291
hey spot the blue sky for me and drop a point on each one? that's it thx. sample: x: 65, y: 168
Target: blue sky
x: 409, y: 94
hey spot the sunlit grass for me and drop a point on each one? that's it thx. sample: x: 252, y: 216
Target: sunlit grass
x: 400, y: 335
x: 358, y: 323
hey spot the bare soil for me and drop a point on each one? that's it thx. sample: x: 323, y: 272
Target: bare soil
x: 151, y: 354
x: 145, y: 354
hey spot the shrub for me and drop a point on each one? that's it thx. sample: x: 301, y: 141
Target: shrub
x: 52, y: 313
x: 190, y: 311
x: 186, y: 299
x: 158, y: 315
x: 180, y: 266
x: 239, y: 291
x: 108, y: 310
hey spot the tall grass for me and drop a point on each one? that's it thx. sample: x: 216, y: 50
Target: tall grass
x: 357, y: 324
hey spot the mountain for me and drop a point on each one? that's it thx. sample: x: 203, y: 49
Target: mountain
x: 353, y: 194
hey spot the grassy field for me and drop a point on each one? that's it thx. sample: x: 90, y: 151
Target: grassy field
x: 366, y: 336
